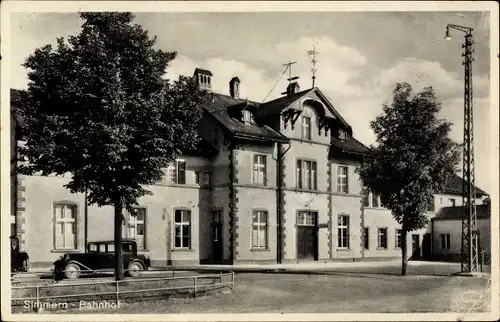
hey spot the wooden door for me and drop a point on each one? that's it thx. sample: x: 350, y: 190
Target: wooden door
x: 216, y: 236
x: 307, y: 244
x: 415, y: 246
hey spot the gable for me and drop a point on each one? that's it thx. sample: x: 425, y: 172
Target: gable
x: 312, y: 97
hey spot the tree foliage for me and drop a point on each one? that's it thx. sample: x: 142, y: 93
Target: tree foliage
x: 101, y: 109
x: 413, y: 157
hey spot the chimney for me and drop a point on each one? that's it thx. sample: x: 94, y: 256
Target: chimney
x: 203, y: 78
x: 234, y: 87
x: 292, y: 88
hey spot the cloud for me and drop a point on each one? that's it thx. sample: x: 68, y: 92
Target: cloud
x: 353, y: 84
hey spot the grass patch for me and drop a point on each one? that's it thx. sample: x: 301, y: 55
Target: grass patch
x: 70, y: 293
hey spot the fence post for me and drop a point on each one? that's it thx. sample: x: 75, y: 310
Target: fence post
x: 117, y: 291
x: 195, y: 286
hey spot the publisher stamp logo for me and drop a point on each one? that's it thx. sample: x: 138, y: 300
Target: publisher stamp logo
x: 471, y: 301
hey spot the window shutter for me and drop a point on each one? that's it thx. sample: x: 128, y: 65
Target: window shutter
x: 181, y: 168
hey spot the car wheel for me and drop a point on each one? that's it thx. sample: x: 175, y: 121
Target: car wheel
x: 72, y: 271
x: 135, y: 269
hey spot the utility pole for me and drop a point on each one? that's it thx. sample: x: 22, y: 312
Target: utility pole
x: 470, y: 233
x: 313, y: 53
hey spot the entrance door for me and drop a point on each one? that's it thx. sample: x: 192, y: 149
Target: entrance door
x: 415, y: 246
x: 307, y: 241
x: 217, y: 245
x: 426, y: 247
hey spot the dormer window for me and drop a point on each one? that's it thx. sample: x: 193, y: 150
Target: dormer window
x: 342, y: 135
x: 247, y: 117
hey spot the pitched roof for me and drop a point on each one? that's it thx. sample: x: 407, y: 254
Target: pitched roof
x: 348, y: 146
x: 218, y: 105
x: 277, y: 105
x: 456, y: 213
x: 203, y: 71
x: 454, y: 186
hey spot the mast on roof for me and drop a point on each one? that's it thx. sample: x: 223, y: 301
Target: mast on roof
x: 313, y: 53
x: 290, y: 77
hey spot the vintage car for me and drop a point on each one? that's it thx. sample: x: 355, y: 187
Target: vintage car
x: 100, y: 257
x: 19, y: 261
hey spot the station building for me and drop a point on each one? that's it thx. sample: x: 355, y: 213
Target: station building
x: 270, y: 182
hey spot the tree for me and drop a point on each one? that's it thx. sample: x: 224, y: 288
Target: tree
x: 412, y: 159
x: 100, y: 108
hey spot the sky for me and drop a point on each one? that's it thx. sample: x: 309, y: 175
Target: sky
x: 361, y: 57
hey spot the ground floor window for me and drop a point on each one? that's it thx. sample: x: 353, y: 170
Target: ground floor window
x: 366, y: 238
x: 382, y: 238
x: 343, y: 231
x: 399, y: 240
x: 445, y: 241
x: 65, y: 226
x: 136, y: 227
x: 182, y: 229
x: 259, y: 229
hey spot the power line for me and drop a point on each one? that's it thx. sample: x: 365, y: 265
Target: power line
x: 275, y: 84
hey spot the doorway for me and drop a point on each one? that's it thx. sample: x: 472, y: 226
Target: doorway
x: 307, y: 235
x: 427, y: 247
x: 216, y: 237
x: 415, y: 247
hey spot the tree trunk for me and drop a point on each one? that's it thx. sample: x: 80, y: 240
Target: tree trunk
x: 404, y: 258
x: 118, y: 241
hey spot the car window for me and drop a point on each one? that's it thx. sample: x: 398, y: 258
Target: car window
x: 111, y: 248
x: 127, y: 247
x: 93, y: 248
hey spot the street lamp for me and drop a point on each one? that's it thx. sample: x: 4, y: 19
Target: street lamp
x: 469, y: 224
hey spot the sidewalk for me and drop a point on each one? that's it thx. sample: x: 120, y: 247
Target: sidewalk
x: 305, y: 267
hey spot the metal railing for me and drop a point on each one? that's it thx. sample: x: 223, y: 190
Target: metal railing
x: 193, y: 284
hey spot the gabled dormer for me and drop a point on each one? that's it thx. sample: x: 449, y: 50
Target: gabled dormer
x: 244, y: 112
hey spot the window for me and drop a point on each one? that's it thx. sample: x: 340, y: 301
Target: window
x: 182, y: 229
x: 259, y: 229
x: 206, y: 178
x: 441, y: 201
x: 382, y: 238
x: 13, y: 229
x: 197, y: 177
x: 366, y: 198
x: 306, y: 218
x: 343, y: 231
x: 306, y: 128
x: 259, y: 169
x: 342, y: 179
x: 247, y: 117
x: 430, y: 207
x: 452, y: 202
x: 307, y: 175
x: 176, y: 172
x: 366, y: 238
x: 375, y: 201
x: 65, y: 226
x: 445, y: 241
x: 135, y: 227
x: 399, y: 240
